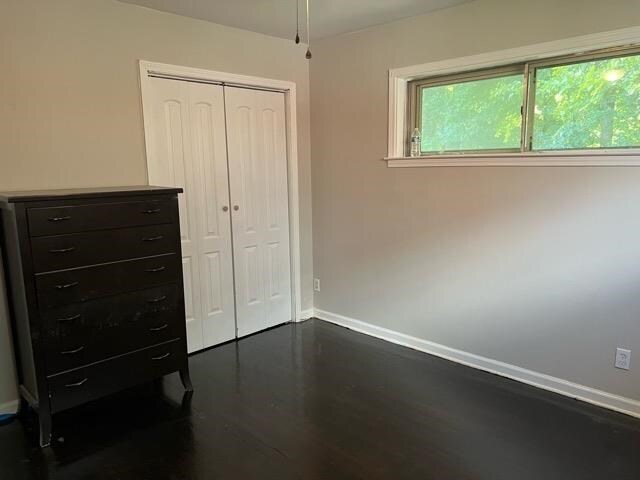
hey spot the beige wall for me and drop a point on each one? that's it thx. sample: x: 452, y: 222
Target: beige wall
x: 536, y: 267
x: 70, y: 111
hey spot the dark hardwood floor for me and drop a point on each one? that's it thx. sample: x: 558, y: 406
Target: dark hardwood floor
x: 316, y: 401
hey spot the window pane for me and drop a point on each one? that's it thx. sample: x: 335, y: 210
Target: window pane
x: 594, y: 104
x: 473, y: 115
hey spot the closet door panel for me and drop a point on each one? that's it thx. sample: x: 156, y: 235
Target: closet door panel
x: 256, y: 140
x: 277, y: 255
x: 170, y: 163
x: 214, y: 217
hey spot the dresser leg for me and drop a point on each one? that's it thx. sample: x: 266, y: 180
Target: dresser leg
x: 23, y: 408
x: 186, y: 379
x: 45, y: 428
x: 186, y: 401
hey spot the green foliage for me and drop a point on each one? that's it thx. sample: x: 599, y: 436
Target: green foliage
x: 475, y: 115
x: 586, y: 105
x: 593, y: 104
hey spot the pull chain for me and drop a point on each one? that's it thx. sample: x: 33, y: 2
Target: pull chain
x: 297, y: 22
x: 308, y: 55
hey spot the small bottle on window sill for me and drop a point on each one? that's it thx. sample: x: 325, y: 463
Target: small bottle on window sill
x: 415, y: 143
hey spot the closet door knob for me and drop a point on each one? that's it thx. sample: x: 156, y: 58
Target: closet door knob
x: 236, y: 208
x: 225, y: 209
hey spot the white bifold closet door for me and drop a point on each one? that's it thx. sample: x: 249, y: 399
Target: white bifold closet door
x: 256, y: 145
x: 234, y: 209
x: 188, y: 149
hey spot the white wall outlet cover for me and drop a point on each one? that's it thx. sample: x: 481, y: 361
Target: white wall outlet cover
x: 316, y: 284
x: 623, y: 358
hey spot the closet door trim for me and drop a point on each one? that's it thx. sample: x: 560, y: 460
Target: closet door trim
x: 148, y: 69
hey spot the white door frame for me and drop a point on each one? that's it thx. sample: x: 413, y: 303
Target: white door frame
x: 231, y: 79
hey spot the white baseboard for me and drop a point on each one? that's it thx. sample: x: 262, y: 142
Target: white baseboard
x: 306, y: 315
x: 9, y: 407
x: 557, y: 385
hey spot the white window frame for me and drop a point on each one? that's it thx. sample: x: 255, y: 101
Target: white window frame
x: 399, y: 79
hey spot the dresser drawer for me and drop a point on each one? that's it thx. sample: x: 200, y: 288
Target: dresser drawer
x: 100, y: 216
x: 74, y: 387
x: 84, y: 333
x: 60, y: 252
x: 82, y: 284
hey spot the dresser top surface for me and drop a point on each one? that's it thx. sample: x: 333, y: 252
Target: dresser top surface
x: 37, y: 195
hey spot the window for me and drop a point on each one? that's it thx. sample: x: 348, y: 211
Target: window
x: 582, y: 102
x: 477, y: 111
x: 588, y: 104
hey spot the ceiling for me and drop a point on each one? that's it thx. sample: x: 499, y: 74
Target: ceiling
x: 277, y: 17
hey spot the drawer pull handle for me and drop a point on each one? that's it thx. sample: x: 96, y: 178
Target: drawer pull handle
x: 157, y: 329
x: 157, y: 299
x: 161, y: 357
x: 66, y: 285
x: 69, y: 319
x: 153, y: 270
x: 71, y: 352
x: 152, y: 239
x: 151, y: 211
x: 62, y: 250
x: 59, y: 219
x: 77, y: 384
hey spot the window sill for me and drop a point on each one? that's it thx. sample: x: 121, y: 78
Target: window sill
x: 528, y: 159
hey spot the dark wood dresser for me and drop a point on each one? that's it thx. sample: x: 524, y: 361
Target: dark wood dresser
x: 95, y: 292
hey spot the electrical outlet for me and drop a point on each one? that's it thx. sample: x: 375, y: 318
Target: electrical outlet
x: 316, y: 284
x: 623, y: 358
